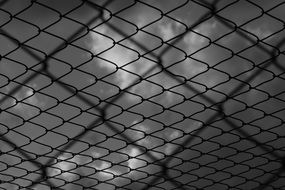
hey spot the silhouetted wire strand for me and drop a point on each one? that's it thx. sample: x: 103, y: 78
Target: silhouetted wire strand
x: 57, y: 49
x: 3, y: 2
x: 244, y: 133
x: 270, y: 180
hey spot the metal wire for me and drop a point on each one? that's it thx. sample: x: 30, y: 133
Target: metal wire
x: 229, y: 148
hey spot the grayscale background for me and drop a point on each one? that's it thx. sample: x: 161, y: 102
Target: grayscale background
x: 119, y: 64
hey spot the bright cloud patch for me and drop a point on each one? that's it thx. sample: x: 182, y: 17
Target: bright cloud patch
x: 133, y: 162
x: 259, y: 32
x: 196, y: 40
x: 105, y: 171
x: 113, y: 57
x: 66, y: 167
x: 169, y: 30
x: 192, y: 42
x: 126, y: 64
x: 170, y: 147
x: 63, y: 167
x: 104, y: 168
x: 139, y: 133
x: 28, y: 102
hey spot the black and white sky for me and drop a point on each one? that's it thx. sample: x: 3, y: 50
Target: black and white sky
x: 160, y: 111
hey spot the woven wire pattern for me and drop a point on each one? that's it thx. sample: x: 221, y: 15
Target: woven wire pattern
x: 93, y: 97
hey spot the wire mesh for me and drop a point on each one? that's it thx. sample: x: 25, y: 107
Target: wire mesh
x: 142, y: 94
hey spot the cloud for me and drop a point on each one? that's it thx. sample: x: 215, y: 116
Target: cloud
x: 138, y: 133
x: 169, y: 30
x: 63, y: 165
x: 137, y: 158
x: 103, y: 168
x: 133, y: 162
x: 260, y: 32
x: 191, y: 42
x: 116, y: 58
x: 24, y: 97
x: 196, y: 40
x: 170, y: 147
x: 66, y: 167
x: 177, y: 135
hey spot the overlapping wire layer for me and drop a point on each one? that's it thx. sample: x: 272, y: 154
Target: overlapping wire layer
x: 236, y: 144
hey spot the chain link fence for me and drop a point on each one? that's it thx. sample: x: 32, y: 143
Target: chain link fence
x: 142, y: 94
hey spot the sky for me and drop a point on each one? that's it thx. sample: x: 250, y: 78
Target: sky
x: 159, y: 112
